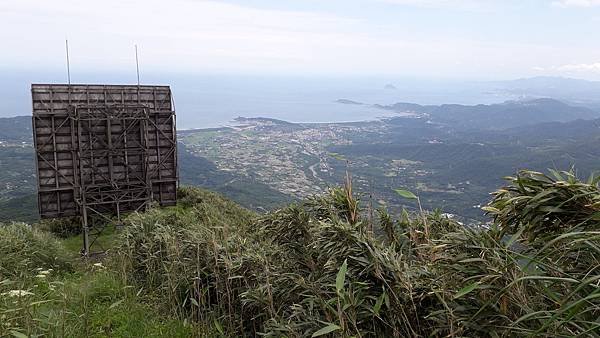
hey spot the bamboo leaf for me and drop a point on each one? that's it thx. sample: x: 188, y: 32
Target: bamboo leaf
x: 115, y: 304
x: 327, y: 329
x: 218, y: 326
x: 406, y: 194
x: 340, y: 279
x: 490, y: 209
x: 18, y: 334
x: 379, y: 302
x: 465, y: 290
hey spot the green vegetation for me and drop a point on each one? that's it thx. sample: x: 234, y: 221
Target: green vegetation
x: 198, y: 171
x: 432, y: 153
x: 459, y: 169
x: 24, y: 250
x: 541, y: 205
x: 45, y: 291
x: 321, y: 267
x: 19, y: 209
x: 17, y: 167
x: 269, y: 163
x: 17, y: 184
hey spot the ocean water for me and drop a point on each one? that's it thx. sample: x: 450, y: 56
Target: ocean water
x: 206, y: 101
x: 216, y: 101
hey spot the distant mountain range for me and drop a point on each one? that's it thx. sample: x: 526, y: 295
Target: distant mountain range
x: 499, y: 116
x: 573, y: 91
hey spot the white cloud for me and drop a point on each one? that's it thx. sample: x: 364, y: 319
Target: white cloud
x: 214, y: 36
x: 180, y: 34
x: 429, y: 3
x: 581, y: 70
x: 580, y: 67
x: 471, y: 5
x: 576, y: 3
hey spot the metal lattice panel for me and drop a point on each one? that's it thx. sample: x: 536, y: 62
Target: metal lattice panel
x: 103, y: 149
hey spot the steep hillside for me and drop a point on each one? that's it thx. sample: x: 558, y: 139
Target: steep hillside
x: 46, y: 289
x: 324, y: 267
x: 198, y: 171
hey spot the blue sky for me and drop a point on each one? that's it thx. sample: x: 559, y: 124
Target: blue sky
x: 457, y: 39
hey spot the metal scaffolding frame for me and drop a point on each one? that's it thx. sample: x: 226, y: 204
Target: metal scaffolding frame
x: 102, y: 150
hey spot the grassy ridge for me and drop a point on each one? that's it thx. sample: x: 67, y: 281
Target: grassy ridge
x: 317, y: 268
x: 45, y: 291
x: 322, y: 267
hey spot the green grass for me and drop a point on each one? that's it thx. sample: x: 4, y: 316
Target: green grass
x: 111, y: 308
x: 321, y: 267
x: 325, y: 266
x: 92, y: 302
x: 200, y: 136
x: 47, y: 288
x: 106, y: 240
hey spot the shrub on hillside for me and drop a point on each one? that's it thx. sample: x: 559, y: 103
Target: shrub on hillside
x: 541, y: 206
x: 212, y: 208
x: 23, y: 250
x: 254, y: 281
x: 61, y: 227
x: 315, y: 268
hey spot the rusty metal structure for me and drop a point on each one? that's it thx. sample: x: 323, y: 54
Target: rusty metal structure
x: 103, y: 150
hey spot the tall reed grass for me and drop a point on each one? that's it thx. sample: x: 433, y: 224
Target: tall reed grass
x: 315, y: 268
x: 322, y: 267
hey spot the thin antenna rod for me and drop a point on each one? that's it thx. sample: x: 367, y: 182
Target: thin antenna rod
x: 68, y: 63
x: 137, y: 65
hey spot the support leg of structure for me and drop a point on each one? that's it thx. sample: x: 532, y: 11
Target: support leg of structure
x: 86, y: 233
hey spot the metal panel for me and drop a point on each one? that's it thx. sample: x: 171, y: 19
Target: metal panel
x: 103, y: 149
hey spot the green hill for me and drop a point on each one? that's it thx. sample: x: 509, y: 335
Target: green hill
x: 326, y: 266
x: 499, y: 116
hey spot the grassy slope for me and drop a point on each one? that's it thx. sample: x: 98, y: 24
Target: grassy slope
x: 316, y: 267
x: 80, y: 298
x: 75, y: 299
x: 208, y: 267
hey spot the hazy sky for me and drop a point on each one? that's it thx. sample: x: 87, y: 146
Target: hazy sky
x: 481, y: 39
